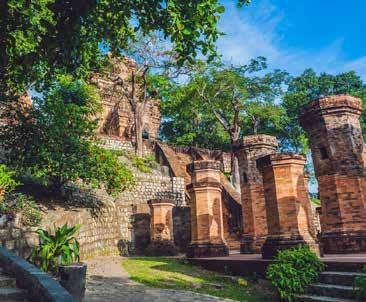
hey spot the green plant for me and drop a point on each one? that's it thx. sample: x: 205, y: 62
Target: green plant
x: 54, y: 140
x: 62, y: 248
x: 360, y: 286
x: 293, y: 270
x: 7, y: 181
x: 15, y: 203
x: 144, y: 164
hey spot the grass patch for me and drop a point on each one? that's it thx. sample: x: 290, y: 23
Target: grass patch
x: 177, y: 274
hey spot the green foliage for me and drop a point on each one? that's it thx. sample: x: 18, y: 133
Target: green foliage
x: 293, y: 270
x: 305, y: 88
x: 25, y: 205
x: 218, y: 98
x: 42, y: 37
x: 144, y: 164
x: 316, y: 201
x: 62, y: 248
x: 360, y: 286
x: 7, y: 179
x: 54, y: 139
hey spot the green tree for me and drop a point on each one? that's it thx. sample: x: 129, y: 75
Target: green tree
x: 40, y: 38
x: 53, y: 139
x: 233, y: 96
x: 307, y: 87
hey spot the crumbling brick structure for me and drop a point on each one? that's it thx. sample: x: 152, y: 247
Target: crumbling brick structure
x: 206, y: 210
x: 161, y: 228
x: 117, y: 116
x: 289, y: 213
x: 334, y: 131
x: 252, y: 195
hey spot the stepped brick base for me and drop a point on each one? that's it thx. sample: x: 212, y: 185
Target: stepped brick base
x: 207, y: 250
x: 251, y: 245
x: 344, y: 243
x: 273, y: 245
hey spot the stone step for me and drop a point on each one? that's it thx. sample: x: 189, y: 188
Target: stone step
x: 6, y: 281
x: 309, y: 298
x: 330, y: 290
x: 339, y: 278
x: 12, y: 294
x: 345, y: 266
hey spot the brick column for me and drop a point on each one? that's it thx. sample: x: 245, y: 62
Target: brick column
x: 252, y: 195
x: 206, y: 210
x: 335, y: 136
x: 161, y: 227
x: 289, y: 214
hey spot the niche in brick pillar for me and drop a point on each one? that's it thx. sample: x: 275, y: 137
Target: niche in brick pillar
x: 253, y: 204
x: 206, y: 210
x: 289, y: 213
x: 161, y: 228
x: 337, y: 146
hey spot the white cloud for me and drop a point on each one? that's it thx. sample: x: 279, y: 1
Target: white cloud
x: 252, y: 33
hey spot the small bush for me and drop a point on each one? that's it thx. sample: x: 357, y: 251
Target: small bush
x: 7, y: 181
x: 293, y: 270
x: 18, y: 203
x: 144, y: 164
x: 360, y: 286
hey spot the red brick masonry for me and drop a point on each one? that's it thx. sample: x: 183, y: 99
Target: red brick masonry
x: 252, y: 195
x: 206, y: 210
x: 334, y: 131
x: 289, y: 214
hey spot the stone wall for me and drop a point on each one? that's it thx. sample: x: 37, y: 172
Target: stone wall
x: 108, y: 225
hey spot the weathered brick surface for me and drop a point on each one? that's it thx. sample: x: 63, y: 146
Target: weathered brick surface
x: 334, y: 131
x: 161, y: 227
x: 178, y: 158
x: 289, y: 214
x: 252, y: 195
x: 206, y: 210
x: 117, y: 116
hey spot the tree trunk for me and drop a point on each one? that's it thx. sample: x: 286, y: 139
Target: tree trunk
x: 139, y: 147
x: 235, y: 175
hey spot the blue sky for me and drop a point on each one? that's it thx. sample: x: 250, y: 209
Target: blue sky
x: 327, y: 35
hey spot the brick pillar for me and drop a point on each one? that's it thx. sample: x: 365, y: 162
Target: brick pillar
x: 335, y: 136
x: 161, y: 227
x: 289, y: 214
x: 206, y: 210
x: 252, y: 195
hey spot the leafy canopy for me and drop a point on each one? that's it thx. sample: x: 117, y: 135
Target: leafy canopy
x: 219, y: 97
x: 40, y: 37
x: 309, y: 86
x: 53, y: 140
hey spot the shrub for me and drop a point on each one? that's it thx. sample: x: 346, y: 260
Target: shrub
x: 360, y: 286
x: 55, y: 139
x: 144, y: 164
x: 294, y: 269
x: 23, y: 204
x: 62, y: 248
x: 7, y: 181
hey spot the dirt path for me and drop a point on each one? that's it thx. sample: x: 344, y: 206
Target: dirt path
x: 107, y: 281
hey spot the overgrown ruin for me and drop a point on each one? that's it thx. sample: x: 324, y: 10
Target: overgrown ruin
x: 189, y: 202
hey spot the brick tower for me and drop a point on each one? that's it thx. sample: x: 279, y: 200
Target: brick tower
x: 252, y: 196
x: 206, y: 210
x: 289, y: 213
x: 334, y: 131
